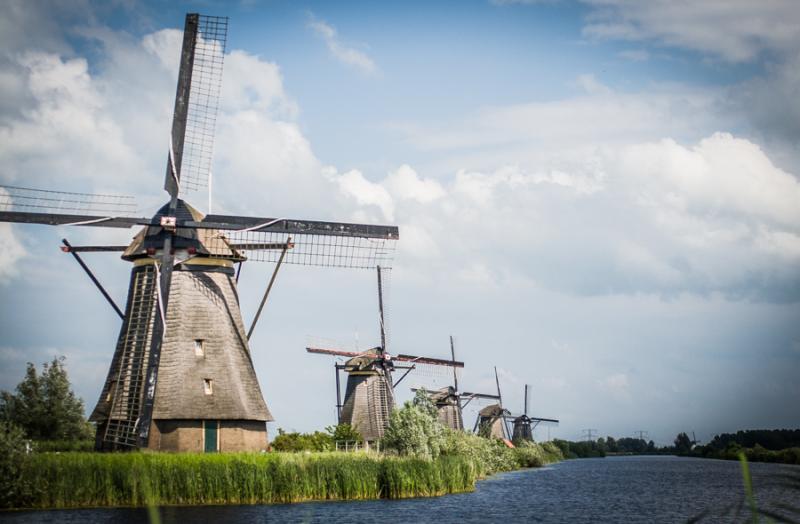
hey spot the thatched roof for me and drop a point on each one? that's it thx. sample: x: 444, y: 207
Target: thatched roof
x: 446, y: 395
x: 368, y: 402
x: 204, y: 306
x: 493, y: 411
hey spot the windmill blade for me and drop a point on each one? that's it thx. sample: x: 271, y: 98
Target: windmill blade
x: 429, y: 360
x: 539, y: 419
x: 336, y: 352
x: 27, y: 205
x: 294, y: 227
x: 314, y: 243
x: 196, y: 103
x: 164, y: 273
x: 527, y: 397
x: 52, y: 219
x: 480, y: 396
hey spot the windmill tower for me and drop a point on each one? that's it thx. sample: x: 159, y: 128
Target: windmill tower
x: 491, y: 421
x: 450, y: 402
x: 181, y: 377
x: 524, y: 425
x: 369, y: 393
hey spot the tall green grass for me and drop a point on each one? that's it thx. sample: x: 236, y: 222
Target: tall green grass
x: 69, y: 480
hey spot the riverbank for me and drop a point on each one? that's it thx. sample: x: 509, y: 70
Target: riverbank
x: 76, y: 479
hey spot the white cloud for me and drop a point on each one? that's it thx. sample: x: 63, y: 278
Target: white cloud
x: 11, y: 252
x: 635, y: 55
x: 404, y: 183
x: 364, y: 192
x: 734, y: 30
x: 347, y: 55
x: 654, y: 217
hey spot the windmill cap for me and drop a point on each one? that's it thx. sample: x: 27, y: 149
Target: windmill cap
x: 203, y: 241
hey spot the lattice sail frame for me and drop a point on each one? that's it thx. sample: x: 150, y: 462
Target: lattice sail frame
x: 204, y: 95
x: 15, y: 198
x: 305, y: 249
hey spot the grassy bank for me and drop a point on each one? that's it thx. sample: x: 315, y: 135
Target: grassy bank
x: 69, y: 480
x: 77, y: 479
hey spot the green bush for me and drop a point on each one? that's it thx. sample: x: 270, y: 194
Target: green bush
x: 294, y: 442
x: 13, y: 458
x: 344, y: 433
x: 414, y: 430
x: 493, y: 456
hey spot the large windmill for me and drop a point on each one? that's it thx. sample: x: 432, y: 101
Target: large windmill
x: 369, y: 394
x: 524, y: 424
x: 182, y: 376
x: 450, y: 402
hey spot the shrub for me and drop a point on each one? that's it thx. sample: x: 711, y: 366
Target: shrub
x: 344, y: 433
x: 414, y: 431
x: 13, y: 451
x: 294, y: 442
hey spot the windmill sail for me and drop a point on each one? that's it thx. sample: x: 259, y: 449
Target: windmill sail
x: 196, y: 103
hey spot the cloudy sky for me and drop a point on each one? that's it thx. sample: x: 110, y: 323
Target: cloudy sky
x: 600, y: 198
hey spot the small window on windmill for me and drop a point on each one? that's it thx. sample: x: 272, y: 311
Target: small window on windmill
x: 110, y: 392
x: 208, y: 386
x: 199, y: 348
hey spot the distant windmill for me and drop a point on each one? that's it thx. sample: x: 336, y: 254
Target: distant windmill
x: 524, y: 425
x: 491, y: 421
x: 450, y: 402
x: 369, y: 394
x: 181, y: 377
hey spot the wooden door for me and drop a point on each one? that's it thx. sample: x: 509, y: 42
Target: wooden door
x: 210, y: 430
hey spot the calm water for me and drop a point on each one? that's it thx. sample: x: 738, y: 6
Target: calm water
x: 614, y: 489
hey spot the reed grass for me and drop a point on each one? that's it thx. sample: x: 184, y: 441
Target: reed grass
x: 75, y: 479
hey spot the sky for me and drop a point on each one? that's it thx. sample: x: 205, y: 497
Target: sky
x: 600, y: 198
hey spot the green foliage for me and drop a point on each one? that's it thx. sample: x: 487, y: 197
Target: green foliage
x: 344, y: 433
x: 414, y: 430
x: 13, y: 447
x: 493, y: 456
x: 683, y: 444
x: 772, y: 439
x: 422, y: 400
x: 294, y: 442
x: 45, y: 406
x: 583, y: 449
x: 136, y: 479
x: 49, y: 446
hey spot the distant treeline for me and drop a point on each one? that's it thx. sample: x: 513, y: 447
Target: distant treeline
x: 772, y: 439
x: 758, y: 445
x: 609, y: 445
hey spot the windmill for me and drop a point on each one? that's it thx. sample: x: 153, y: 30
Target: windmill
x: 524, y: 424
x: 369, y: 393
x: 450, y: 402
x: 182, y: 377
x: 491, y: 421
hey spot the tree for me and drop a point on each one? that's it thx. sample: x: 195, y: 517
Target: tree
x: 422, y: 400
x: 611, y: 444
x: 683, y: 444
x: 44, y: 406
